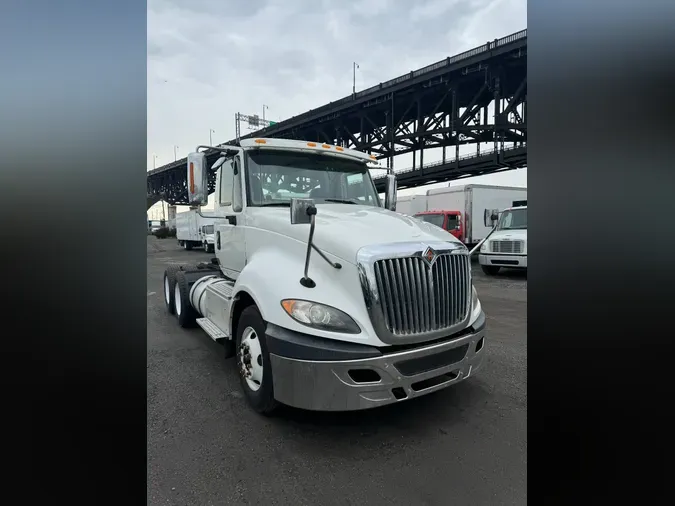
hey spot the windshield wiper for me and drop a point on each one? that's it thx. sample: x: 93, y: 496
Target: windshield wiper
x: 341, y: 201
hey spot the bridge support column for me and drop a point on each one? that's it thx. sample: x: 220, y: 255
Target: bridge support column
x: 171, y: 216
x: 420, y: 132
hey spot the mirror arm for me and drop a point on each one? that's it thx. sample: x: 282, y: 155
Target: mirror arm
x: 306, y: 281
x: 480, y: 243
x: 323, y: 255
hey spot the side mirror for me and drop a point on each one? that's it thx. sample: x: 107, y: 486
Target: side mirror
x: 490, y: 217
x: 237, y: 200
x: 218, y: 163
x: 299, y: 214
x: 197, y: 179
x: 390, y: 192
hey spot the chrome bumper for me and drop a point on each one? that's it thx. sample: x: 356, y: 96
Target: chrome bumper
x: 515, y: 261
x: 328, y: 385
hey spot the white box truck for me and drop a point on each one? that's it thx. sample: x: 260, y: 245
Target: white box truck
x: 330, y: 301
x: 194, y: 229
x: 507, y: 245
x: 466, y: 211
x: 411, y: 204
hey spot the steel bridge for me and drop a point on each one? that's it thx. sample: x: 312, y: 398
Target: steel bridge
x: 442, y: 105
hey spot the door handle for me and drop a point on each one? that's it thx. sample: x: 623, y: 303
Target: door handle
x: 232, y: 220
x: 218, y: 239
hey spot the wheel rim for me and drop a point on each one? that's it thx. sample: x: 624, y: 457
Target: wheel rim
x: 250, y: 359
x: 167, y: 290
x: 177, y: 301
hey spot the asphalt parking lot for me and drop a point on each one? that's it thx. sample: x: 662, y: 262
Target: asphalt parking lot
x: 463, y: 445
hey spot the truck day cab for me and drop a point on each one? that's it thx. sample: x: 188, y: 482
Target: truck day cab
x: 328, y: 299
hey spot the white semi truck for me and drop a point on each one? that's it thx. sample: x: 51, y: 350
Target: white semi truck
x: 329, y: 301
x: 194, y: 228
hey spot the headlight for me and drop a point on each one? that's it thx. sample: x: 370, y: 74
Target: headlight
x: 320, y: 316
x: 483, y: 247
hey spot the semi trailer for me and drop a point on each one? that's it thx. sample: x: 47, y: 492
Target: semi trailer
x: 326, y: 298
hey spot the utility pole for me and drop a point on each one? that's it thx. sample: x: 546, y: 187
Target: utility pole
x: 355, y: 66
x: 175, y: 156
x: 211, y: 131
x: 264, y: 107
x: 154, y: 161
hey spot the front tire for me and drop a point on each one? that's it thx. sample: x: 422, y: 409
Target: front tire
x: 185, y: 313
x: 490, y: 270
x: 253, y: 362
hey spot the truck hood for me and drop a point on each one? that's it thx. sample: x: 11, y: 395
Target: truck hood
x: 343, y: 229
x: 514, y: 235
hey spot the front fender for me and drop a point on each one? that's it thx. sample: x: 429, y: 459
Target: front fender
x: 273, y: 272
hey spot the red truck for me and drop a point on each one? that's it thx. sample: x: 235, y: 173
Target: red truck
x: 447, y: 220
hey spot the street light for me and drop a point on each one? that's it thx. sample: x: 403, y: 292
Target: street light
x: 264, y: 107
x: 211, y: 131
x: 154, y: 159
x: 175, y: 156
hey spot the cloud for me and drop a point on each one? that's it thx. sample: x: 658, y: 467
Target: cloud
x: 208, y: 59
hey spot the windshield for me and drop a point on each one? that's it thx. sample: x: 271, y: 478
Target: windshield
x: 434, y: 219
x: 516, y: 219
x: 208, y: 229
x: 275, y: 177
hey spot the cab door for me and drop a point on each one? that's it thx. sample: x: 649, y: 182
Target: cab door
x: 453, y: 224
x: 229, y: 228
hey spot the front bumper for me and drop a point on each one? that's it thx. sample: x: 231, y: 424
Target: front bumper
x: 502, y: 260
x: 309, y: 373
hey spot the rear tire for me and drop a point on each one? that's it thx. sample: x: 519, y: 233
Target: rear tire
x: 490, y: 270
x: 169, y: 287
x: 187, y: 245
x: 253, y: 362
x: 185, y: 313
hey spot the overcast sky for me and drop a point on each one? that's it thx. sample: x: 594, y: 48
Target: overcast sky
x: 208, y: 59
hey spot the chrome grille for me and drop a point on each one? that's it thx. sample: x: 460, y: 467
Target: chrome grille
x: 416, y: 298
x: 506, y: 246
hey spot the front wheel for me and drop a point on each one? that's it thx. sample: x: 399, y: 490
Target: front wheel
x: 490, y: 270
x: 253, y: 361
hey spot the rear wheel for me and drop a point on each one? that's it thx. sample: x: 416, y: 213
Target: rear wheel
x: 169, y: 287
x: 184, y: 311
x: 253, y: 361
x: 490, y: 270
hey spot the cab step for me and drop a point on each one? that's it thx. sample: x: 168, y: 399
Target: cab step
x: 211, y: 329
